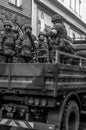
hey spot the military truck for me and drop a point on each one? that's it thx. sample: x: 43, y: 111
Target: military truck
x: 40, y: 96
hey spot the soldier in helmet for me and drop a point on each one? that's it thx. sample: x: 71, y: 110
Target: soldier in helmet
x: 42, y: 40
x: 33, y: 38
x: 2, y: 59
x: 43, y: 46
x: 29, y: 31
x: 56, y: 36
x: 27, y: 45
x: 8, y: 42
x: 59, y: 34
x: 59, y: 30
x: 17, y: 45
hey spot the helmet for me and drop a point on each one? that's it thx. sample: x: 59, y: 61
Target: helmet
x: 7, y: 23
x: 56, y: 18
x: 42, y: 33
x: 27, y: 26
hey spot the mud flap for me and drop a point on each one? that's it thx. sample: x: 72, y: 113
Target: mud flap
x: 8, y: 124
x: 5, y: 127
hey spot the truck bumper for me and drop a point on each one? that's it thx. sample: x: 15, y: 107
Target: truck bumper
x: 7, y: 124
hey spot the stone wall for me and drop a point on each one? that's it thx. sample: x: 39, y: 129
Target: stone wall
x: 7, y: 14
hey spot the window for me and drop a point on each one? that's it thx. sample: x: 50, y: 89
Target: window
x: 78, y: 7
x: 75, y: 5
x: 16, y: 2
x: 62, y: 0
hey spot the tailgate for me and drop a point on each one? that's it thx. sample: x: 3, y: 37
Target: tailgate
x: 21, y: 75
x: 5, y: 72
x: 30, y: 78
x: 26, y: 75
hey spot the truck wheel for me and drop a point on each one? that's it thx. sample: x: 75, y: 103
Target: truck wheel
x: 71, y: 117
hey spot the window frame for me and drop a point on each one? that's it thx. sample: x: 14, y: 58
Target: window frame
x: 75, y: 9
x: 15, y: 3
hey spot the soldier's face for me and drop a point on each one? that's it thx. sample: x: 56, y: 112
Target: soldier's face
x: 41, y: 37
x: 16, y: 35
x: 28, y: 30
x: 8, y: 27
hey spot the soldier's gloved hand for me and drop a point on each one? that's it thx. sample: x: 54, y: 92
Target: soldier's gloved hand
x: 53, y: 33
x: 36, y: 44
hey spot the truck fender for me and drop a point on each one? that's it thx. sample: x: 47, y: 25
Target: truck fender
x: 70, y: 96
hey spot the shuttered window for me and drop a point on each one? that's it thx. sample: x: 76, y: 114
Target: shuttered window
x: 16, y: 2
x: 75, y: 5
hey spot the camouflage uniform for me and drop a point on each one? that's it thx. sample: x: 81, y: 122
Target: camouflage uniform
x: 2, y: 59
x: 59, y: 37
x: 59, y: 30
x: 18, y: 41
x: 42, y: 40
x: 26, y: 46
x: 43, y: 47
x: 8, y: 42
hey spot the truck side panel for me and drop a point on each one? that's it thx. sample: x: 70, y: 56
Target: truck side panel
x: 5, y: 72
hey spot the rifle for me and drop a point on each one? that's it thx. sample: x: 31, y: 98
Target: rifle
x: 31, y: 40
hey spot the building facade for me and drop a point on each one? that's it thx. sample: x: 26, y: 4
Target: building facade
x: 39, y: 13
x: 17, y: 11
x: 70, y: 10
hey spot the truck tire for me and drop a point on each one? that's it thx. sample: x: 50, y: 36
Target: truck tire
x: 71, y: 116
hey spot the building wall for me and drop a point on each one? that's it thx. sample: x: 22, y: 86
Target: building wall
x: 73, y: 23
x: 44, y: 20
x: 41, y: 18
x: 19, y: 15
x: 34, y: 17
x: 78, y: 7
x: 25, y: 10
x: 83, y: 10
x: 73, y: 5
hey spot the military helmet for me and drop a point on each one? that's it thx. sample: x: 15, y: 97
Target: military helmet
x: 7, y: 23
x: 42, y: 33
x: 56, y: 18
x: 27, y: 26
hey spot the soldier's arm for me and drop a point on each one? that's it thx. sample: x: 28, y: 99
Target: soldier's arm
x: 3, y: 40
x: 58, y: 27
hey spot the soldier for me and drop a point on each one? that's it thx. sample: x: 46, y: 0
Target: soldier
x: 29, y: 31
x: 27, y: 45
x: 18, y: 41
x: 43, y: 47
x: 8, y: 42
x: 70, y: 47
x: 59, y: 34
x: 2, y: 59
x: 59, y: 31
x: 42, y: 40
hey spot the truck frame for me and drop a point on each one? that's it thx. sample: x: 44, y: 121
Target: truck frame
x: 40, y: 96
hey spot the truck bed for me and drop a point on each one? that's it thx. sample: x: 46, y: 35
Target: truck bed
x: 40, y: 79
